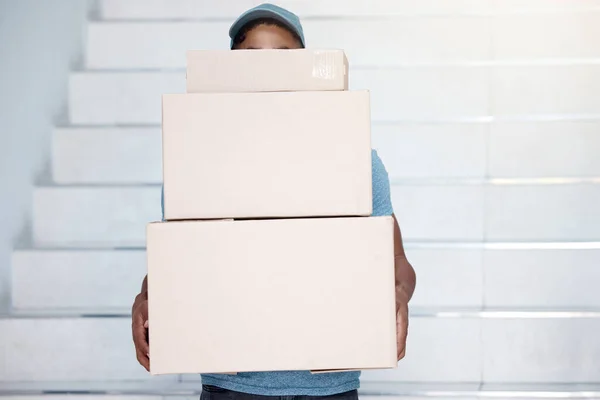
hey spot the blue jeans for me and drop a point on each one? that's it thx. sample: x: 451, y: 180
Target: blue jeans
x: 216, y: 393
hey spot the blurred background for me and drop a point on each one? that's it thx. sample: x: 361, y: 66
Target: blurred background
x: 485, y: 112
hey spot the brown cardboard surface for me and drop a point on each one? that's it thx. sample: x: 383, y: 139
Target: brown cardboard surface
x: 263, y: 295
x: 259, y: 155
x: 266, y: 70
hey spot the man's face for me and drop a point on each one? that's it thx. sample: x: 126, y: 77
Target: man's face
x: 269, y: 37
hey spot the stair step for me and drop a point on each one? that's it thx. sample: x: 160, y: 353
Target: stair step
x: 115, y: 155
x: 311, y: 9
x: 433, y: 94
x: 451, y: 278
x: 116, y: 216
x: 76, y: 282
x: 88, y: 155
x: 548, y: 279
x: 498, y: 150
x: 149, y: 390
x: 439, y: 38
x: 544, y: 149
x: 63, y: 280
x: 497, y: 350
x: 498, y: 212
x: 481, y: 390
x: 455, y: 356
x: 193, y: 9
x: 138, y: 387
x: 94, y: 216
x: 535, y: 351
x: 403, y: 392
x: 84, y: 396
x: 545, y: 213
x: 366, y: 41
x: 120, y: 98
x: 88, y: 350
x: 404, y: 94
x: 369, y: 391
x: 107, y: 155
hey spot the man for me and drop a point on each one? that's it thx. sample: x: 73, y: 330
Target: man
x: 271, y: 27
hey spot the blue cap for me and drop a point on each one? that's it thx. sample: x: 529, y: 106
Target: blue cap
x: 266, y: 10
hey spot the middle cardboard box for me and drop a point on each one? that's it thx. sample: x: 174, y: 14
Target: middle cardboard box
x: 266, y: 155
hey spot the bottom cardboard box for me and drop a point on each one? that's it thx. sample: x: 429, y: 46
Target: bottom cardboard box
x: 270, y: 295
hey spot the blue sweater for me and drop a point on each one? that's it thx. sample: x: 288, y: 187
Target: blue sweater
x: 298, y: 383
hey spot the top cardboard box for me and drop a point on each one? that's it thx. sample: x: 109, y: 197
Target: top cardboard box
x: 266, y: 70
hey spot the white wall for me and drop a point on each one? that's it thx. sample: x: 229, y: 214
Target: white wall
x: 41, y: 41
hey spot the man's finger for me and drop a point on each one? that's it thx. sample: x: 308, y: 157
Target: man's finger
x: 140, y: 337
x: 402, y: 354
x: 143, y: 360
x: 401, y: 334
x: 401, y: 342
x: 142, y: 342
x: 401, y: 348
x: 144, y: 310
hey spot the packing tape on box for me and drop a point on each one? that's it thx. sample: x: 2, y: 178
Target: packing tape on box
x: 324, y: 65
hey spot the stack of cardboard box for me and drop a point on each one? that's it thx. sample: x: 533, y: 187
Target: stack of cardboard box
x: 268, y: 259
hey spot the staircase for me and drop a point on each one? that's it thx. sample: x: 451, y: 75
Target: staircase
x: 487, y: 115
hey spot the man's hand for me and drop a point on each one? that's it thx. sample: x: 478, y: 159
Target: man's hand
x: 139, y: 327
x: 405, y: 287
x: 401, y: 328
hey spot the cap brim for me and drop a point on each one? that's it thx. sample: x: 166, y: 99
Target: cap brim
x: 253, y: 15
